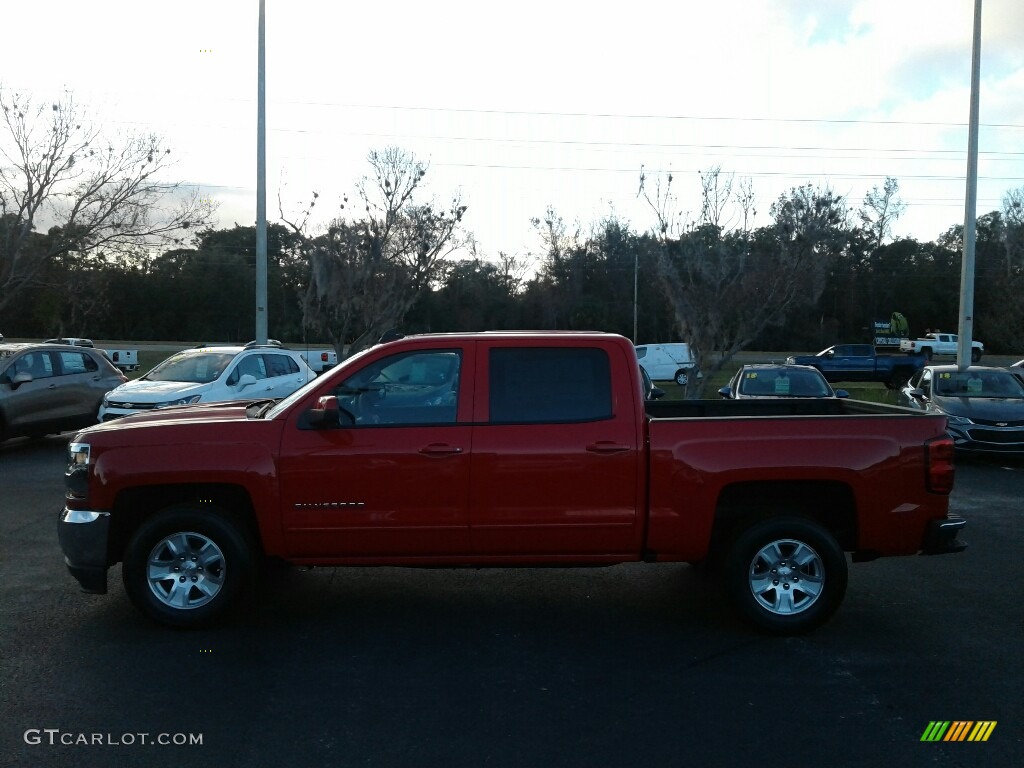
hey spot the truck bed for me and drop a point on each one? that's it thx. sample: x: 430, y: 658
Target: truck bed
x: 795, y: 406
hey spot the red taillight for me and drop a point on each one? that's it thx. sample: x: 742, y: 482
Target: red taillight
x: 117, y: 356
x: 938, y: 456
x: 323, y: 357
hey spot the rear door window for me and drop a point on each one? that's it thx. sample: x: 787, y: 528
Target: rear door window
x: 549, y: 385
x: 76, y: 362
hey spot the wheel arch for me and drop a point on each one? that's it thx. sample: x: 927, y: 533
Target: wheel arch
x: 829, y: 503
x: 135, y: 505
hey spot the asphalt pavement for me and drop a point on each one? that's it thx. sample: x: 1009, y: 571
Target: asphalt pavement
x: 621, y: 666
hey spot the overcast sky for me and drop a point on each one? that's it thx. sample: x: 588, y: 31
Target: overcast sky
x: 522, y: 105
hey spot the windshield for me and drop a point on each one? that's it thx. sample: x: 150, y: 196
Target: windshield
x: 977, y: 384
x: 783, y: 383
x: 191, y: 367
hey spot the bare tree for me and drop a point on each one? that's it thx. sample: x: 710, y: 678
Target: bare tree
x: 879, y: 211
x: 365, y: 273
x: 747, y: 202
x: 725, y: 288
x: 716, y: 196
x: 93, y: 194
x: 1013, y: 232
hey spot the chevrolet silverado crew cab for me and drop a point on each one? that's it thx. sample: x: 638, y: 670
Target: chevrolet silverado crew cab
x: 504, y: 449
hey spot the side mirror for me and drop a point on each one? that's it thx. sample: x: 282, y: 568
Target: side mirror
x: 725, y: 392
x: 657, y: 392
x: 842, y: 393
x: 918, y: 394
x: 246, y: 381
x: 327, y: 414
x: 22, y: 377
x: 830, y: 353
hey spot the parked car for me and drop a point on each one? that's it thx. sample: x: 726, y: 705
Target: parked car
x: 940, y: 344
x: 320, y: 360
x: 71, y: 341
x: 211, y: 374
x: 46, y: 388
x: 771, y: 380
x: 860, y: 362
x: 125, y: 359
x: 983, y: 406
x: 651, y: 392
x: 667, y: 362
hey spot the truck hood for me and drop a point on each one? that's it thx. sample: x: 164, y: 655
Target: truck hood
x: 142, y: 391
x: 219, y: 413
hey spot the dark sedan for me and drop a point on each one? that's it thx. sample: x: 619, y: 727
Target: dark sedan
x: 983, y: 406
x: 775, y: 380
x: 47, y: 388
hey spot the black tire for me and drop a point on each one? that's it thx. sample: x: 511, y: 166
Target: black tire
x: 799, y: 594
x: 681, y: 377
x: 215, y: 559
x: 927, y: 352
x: 975, y: 355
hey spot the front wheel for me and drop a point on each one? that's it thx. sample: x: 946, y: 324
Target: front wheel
x: 681, y: 378
x: 786, y: 575
x: 975, y: 355
x: 185, y: 566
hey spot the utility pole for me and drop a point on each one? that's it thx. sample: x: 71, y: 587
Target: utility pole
x: 636, y: 276
x: 261, y: 186
x: 966, y: 331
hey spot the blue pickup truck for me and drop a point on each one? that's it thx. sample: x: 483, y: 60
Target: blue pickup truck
x: 860, y: 362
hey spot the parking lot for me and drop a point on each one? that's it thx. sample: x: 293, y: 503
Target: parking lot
x: 629, y: 665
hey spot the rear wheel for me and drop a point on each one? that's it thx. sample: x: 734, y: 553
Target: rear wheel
x: 786, y: 575
x: 927, y: 352
x: 681, y: 378
x: 975, y: 355
x: 185, y: 566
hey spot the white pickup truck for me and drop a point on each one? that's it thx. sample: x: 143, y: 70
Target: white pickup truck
x: 940, y: 344
x: 319, y: 360
x: 125, y: 359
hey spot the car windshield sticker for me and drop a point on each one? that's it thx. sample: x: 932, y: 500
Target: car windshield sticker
x: 782, y: 385
x: 974, y: 385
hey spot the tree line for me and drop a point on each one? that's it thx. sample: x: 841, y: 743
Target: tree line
x: 117, y: 260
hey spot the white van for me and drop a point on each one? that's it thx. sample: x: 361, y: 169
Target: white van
x: 666, y: 362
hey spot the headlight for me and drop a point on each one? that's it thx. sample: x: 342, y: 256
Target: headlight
x: 180, y: 401
x: 78, y: 455
x: 958, y: 419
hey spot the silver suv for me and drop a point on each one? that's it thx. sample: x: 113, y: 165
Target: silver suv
x: 47, y: 388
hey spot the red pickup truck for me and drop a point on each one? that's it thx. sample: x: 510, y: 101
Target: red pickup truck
x: 504, y: 449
